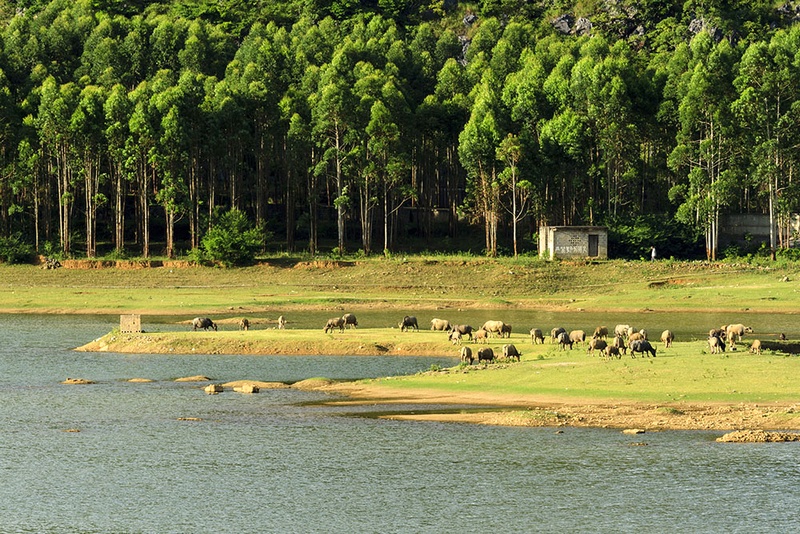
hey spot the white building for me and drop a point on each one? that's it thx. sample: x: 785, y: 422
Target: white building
x: 573, y: 242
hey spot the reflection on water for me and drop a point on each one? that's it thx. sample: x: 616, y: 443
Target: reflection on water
x: 277, y: 462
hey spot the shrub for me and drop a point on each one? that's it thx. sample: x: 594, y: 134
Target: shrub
x: 232, y: 240
x: 13, y: 250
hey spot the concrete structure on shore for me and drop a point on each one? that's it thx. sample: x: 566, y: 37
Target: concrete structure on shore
x: 573, y: 242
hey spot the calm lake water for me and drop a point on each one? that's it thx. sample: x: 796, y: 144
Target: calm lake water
x: 277, y: 462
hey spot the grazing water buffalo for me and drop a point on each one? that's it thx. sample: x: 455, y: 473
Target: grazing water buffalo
x: 455, y: 337
x: 494, y: 327
x: 577, y: 336
x: 635, y: 336
x: 510, y: 352
x: 409, y: 321
x: 643, y: 347
x: 717, y: 332
x: 464, y: 330
x: 466, y: 355
x: 612, y: 351
x: 537, y: 336
x: 350, y: 320
x: 203, y: 322
x: 755, y: 348
x: 554, y: 333
x: 486, y: 353
x: 336, y: 322
x: 619, y: 343
x: 666, y: 337
x: 564, y: 340
x: 244, y: 324
x: 597, y: 344
x: 716, y: 344
x: 506, y: 330
x: 623, y: 330
x: 441, y: 324
x: 601, y: 332
x: 481, y: 336
x: 735, y: 332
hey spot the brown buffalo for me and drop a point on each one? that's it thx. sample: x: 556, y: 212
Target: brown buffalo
x: 335, y: 322
x: 537, y: 336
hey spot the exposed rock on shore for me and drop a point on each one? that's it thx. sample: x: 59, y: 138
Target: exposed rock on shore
x: 758, y: 436
x: 195, y: 378
x: 80, y: 381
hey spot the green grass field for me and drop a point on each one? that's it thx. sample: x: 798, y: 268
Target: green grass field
x: 421, y: 282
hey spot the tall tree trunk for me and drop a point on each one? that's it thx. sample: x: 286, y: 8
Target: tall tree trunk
x: 339, y: 192
x: 119, y: 209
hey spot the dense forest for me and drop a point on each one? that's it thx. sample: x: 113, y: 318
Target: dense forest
x: 132, y: 128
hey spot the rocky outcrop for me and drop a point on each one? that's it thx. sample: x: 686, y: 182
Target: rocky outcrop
x: 758, y: 436
x: 79, y: 381
x: 563, y: 24
x: 196, y: 378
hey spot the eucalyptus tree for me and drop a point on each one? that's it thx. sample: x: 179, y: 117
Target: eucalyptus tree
x: 524, y: 97
x: 477, y: 145
x: 257, y: 74
x: 310, y: 46
x: 118, y: 109
x: 166, y: 41
x: 87, y: 126
x: 601, y: 86
x: 102, y: 56
x: 11, y: 183
x: 768, y: 108
x: 705, y: 141
x: 511, y: 153
x: 564, y: 138
x: 385, y: 162
x: 438, y: 122
x: 335, y: 127
x: 56, y: 106
x: 178, y: 152
x: 140, y: 151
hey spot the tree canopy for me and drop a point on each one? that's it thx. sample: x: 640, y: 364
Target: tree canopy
x: 129, y: 127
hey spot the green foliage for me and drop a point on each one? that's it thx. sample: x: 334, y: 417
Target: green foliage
x: 14, y: 250
x: 194, y: 106
x: 632, y: 238
x: 232, y: 240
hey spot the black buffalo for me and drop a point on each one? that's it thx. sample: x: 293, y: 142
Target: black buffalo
x: 203, y: 322
x: 486, y: 354
x: 642, y: 346
x: 409, y: 321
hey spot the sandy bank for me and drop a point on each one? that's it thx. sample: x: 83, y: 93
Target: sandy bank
x: 554, y: 411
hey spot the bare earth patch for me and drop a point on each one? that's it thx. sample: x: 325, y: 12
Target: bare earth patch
x: 541, y: 411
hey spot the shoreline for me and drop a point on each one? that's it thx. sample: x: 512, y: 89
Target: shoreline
x: 548, y: 411
x: 501, y: 408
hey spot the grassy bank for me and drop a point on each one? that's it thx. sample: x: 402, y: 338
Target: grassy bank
x: 421, y: 283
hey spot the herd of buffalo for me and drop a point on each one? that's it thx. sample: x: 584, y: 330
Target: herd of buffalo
x: 604, y: 342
